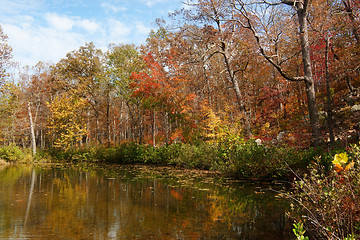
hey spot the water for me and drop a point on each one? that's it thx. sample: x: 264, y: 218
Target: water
x: 134, y: 202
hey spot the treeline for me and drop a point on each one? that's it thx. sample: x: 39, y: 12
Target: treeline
x: 282, y: 72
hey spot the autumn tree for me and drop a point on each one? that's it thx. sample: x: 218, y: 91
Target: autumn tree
x: 5, y: 56
x: 256, y: 20
x: 82, y: 70
x: 67, y: 122
x: 220, y: 37
x: 10, y: 107
x: 122, y: 61
x: 163, y: 92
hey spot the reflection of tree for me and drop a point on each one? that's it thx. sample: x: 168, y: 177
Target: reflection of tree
x: 83, y: 204
x: 13, y: 199
x: 33, y: 177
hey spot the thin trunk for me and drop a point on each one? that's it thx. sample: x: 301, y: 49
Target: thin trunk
x: 98, y: 137
x: 328, y: 93
x: 87, y: 141
x: 166, y: 123
x: 141, y: 134
x: 242, y: 108
x: 32, y: 131
x: 108, y: 128
x: 210, y: 97
x: 114, y: 132
x: 154, y: 128
x: 108, y: 121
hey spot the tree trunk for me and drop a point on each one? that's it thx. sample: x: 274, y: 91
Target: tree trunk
x: 243, y: 109
x: 32, y: 131
x: 309, y: 80
x: 154, y: 128
x: 328, y: 93
x: 239, y: 97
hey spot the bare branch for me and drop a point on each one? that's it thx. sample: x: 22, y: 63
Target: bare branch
x: 267, y: 57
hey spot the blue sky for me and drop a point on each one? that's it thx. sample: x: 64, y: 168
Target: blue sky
x: 45, y: 30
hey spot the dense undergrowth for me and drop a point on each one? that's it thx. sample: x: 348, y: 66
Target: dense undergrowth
x: 237, y: 158
x: 15, y: 154
x: 243, y: 159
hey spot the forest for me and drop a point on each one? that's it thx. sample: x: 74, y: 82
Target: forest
x: 241, y: 86
x: 284, y: 72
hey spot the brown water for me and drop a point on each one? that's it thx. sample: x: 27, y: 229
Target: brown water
x: 114, y: 202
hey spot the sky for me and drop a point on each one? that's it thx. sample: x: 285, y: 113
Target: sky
x: 45, y: 30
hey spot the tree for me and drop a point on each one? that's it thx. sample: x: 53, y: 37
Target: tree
x: 122, y: 61
x: 5, y: 55
x: 82, y: 70
x: 164, y: 92
x: 32, y: 130
x: 9, y: 109
x: 247, y: 19
x: 67, y: 122
x: 219, y: 36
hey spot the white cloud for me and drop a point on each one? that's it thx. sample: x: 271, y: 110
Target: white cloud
x: 151, y: 3
x: 118, y: 31
x: 66, y: 23
x: 17, y: 6
x: 32, y: 43
x: 62, y: 23
x: 141, y: 29
x: 108, y: 7
x: 45, y: 30
x: 89, y: 26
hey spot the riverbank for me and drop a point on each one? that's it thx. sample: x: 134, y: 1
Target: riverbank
x: 238, y: 159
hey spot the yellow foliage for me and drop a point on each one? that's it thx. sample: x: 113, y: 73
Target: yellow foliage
x: 217, y: 125
x: 214, y: 126
x: 67, y: 122
x: 341, y: 162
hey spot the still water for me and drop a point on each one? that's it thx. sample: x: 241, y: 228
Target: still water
x: 134, y: 202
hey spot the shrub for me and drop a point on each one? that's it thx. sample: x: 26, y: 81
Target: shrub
x: 200, y: 156
x: 13, y: 153
x: 329, y: 200
x: 250, y: 160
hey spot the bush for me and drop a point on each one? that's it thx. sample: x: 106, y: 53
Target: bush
x: 200, y: 156
x: 231, y: 155
x: 329, y: 200
x: 13, y: 153
x: 250, y: 160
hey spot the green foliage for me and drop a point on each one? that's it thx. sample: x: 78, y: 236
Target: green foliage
x: 233, y: 156
x: 13, y: 153
x: 247, y: 159
x: 193, y: 156
x: 299, y: 231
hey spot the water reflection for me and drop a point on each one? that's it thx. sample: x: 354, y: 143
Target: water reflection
x: 69, y: 203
